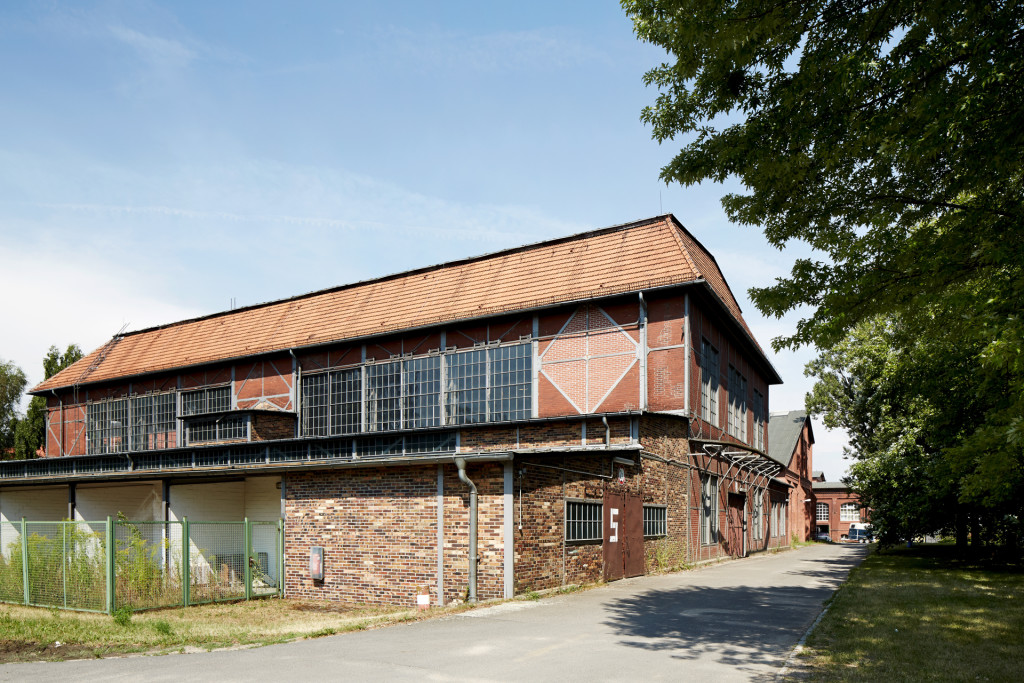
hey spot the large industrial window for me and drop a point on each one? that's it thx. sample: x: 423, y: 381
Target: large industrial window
x: 490, y: 384
x: 107, y: 426
x: 346, y: 401
x: 821, y: 512
x: 737, y: 404
x: 583, y: 520
x: 511, y: 379
x: 849, y: 512
x: 708, y: 382
x: 201, y: 401
x: 217, y: 429
x: 383, y: 396
x: 466, y: 387
x: 709, y: 510
x: 152, y: 421
x: 655, y: 520
x: 758, y: 440
x: 422, y: 392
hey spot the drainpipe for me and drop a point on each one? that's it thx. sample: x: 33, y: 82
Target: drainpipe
x: 461, y: 464
x: 607, y: 432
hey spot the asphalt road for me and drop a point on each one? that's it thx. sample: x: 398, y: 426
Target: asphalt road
x: 732, y: 621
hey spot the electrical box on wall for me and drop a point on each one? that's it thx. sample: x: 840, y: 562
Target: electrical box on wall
x: 316, y: 563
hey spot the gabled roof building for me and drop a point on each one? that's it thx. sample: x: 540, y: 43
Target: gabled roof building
x: 550, y: 414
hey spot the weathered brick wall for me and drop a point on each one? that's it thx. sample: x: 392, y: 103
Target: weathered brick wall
x: 378, y: 528
x: 270, y: 426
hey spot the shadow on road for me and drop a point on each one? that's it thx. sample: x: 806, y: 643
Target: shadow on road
x: 739, y: 626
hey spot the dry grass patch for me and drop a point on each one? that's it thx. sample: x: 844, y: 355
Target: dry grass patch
x: 32, y: 633
x: 918, y: 614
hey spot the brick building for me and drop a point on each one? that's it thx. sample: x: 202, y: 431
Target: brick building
x: 577, y: 409
x: 791, y: 444
x: 836, y: 507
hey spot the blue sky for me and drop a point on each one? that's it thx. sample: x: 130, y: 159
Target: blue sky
x: 159, y: 159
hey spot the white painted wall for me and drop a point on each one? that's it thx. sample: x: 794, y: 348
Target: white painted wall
x: 49, y: 504
x: 137, y: 501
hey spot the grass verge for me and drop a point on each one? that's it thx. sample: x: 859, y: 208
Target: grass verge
x: 919, y: 614
x: 33, y: 633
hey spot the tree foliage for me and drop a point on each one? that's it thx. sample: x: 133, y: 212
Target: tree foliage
x: 30, y: 434
x: 888, y: 136
x: 12, y: 386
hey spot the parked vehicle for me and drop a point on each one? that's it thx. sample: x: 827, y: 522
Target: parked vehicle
x: 823, y: 536
x: 860, y: 533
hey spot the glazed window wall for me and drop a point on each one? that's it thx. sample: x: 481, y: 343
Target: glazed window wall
x: 489, y: 384
x: 137, y: 423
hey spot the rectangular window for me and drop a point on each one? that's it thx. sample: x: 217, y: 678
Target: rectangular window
x: 783, y: 518
x: 583, y: 520
x: 489, y: 384
x: 422, y: 392
x: 821, y: 512
x: 152, y: 421
x: 383, y: 396
x: 849, y: 512
x: 466, y: 387
x: 209, y: 400
x: 758, y: 409
x: 737, y: 404
x: 511, y: 380
x: 708, y: 382
x: 346, y: 401
x: 107, y: 426
x: 655, y: 520
x: 217, y: 429
x: 709, y: 510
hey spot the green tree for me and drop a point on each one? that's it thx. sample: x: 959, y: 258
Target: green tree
x: 30, y: 434
x: 12, y: 386
x: 888, y: 135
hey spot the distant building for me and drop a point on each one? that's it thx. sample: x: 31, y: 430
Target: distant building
x: 791, y: 443
x: 836, y: 507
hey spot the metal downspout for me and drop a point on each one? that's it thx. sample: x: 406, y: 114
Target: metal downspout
x: 461, y: 464
x: 297, y: 370
x: 607, y: 432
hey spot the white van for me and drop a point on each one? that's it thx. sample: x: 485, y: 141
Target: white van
x: 860, y: 533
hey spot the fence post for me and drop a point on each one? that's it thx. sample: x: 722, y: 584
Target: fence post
x: 24, y: 563
x: 280, y: 557
x: 247, y: 572
x: 111, y: 565
x: 186, y: 563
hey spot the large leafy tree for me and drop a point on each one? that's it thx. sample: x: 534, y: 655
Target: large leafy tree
x: 12, y: 386
x: 30, y: 434
x: 889, y: 136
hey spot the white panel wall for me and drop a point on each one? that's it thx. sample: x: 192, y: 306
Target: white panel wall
x: 48, y: 504
x: 137, y: 501
x: 263, y: 498
x: 218, y: 502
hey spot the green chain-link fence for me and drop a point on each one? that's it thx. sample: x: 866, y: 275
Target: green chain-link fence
x: 103, y: 566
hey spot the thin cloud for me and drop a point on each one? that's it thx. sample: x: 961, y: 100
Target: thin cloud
x: 546, y: 48
x: 154, y: 49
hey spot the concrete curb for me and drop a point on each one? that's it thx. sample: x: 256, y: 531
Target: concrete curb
x: 798, y: 648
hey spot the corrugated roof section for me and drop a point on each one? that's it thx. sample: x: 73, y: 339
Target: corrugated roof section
x: 642, y: 255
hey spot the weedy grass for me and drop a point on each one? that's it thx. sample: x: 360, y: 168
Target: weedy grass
x: 920, y: 614
x: 33, y: 633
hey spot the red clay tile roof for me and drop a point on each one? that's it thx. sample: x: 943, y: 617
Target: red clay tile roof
x: 636, y: 256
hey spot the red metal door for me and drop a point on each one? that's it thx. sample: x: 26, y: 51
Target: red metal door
x: 735, y: 542
x: 633, y: 535
x: 613, y: 535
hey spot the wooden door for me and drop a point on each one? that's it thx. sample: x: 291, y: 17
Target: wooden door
x: 633, y: 536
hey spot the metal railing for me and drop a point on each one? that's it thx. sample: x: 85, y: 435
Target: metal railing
x: 115, y: 563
